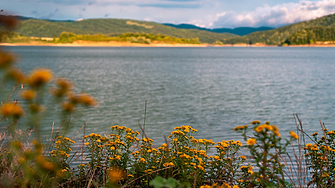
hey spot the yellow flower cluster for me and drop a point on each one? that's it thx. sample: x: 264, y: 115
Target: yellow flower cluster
x: 43, y: 163
x: 28, y: 95
x: 186, y: 128
x: 168, y: 164
x: 6, y: 60
x: 66, y: 139
x: 255, y: 122
x: 294, y: 135
x: 55, y: 153
x: 224, y: 185
x: 11, y: 110
x: 39, y: 77
x: 117, y: 157
x: 251, y: 141
x: 64, y: 86
x: 115, y: 174
x: 93, y: 135
x: 240, y: 127
x: 243, y: 157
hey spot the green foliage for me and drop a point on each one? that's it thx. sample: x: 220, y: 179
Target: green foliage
x: 160, y: 182
x: 6, y: 36
x: 149, y: 37
x: 112, y: 27
x: 66, y: 37
x: 144, y: 38
x: 312, y: 35
x: 218, y: 43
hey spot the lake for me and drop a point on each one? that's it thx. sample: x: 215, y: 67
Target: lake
x: 211, y: 89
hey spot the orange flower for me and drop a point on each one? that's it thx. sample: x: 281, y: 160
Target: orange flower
x: 16, y: 75
x: 255, y: 122
x: 64, y: 84
x: 28, y: 95
x: 11, y: 109
x: 259, y: 128
x: 294, y: 135
x: 73, y: 97
x: 277, y: 133
x: 268, y: 127
x: 39, y: 77
x: 142, y: 160
x: 115, y: 175
x: 67, y: 106
x: 251, y: 141
x: 5, y: 60
x: 87, y: 100
x: 274, y: 128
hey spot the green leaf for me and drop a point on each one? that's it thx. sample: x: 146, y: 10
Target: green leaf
x: 158, y: 182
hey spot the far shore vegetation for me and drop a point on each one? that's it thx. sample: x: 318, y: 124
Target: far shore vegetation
x: 69, y: 37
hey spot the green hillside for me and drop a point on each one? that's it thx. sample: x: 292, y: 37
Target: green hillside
x: 312, y: 36
x: 112, y: 27
x: 279, y: 35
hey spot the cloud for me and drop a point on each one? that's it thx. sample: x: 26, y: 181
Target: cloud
x: 170, y: 5
x: 182, y: 0
x: 278, y: 15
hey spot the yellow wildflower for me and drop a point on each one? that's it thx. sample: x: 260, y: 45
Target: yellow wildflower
x: 39, y: 77
x: 87, y: 100
x: 68, y: 106
x: 259, y: 128
x: 28, y: 95
x: 142, y: 160
x: 115, y: 175
x: 243, y: 157
x: 11, y: 109
x: 294, y: 135
x: 251, y: 141
x: 255, y: 122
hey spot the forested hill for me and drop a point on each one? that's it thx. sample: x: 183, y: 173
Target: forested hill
x: 279, y: 35
x: 112, y: 27
x: 321, y: 35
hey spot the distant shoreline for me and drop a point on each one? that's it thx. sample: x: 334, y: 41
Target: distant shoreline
x: 102, y: 44
x: 128, y: 44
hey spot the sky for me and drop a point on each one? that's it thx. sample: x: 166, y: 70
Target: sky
x: 203, y: 13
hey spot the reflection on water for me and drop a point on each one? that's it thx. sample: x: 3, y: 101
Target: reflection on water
x: 211, y: 89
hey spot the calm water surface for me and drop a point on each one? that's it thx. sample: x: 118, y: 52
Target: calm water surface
x: 211, y: 89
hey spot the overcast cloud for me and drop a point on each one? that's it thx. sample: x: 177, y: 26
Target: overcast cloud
x: 205, y: 13
x: 278, y: 15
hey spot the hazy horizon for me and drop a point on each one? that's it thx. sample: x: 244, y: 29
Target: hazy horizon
x: 202, y: 13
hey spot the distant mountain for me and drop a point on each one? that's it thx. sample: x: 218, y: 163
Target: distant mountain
x: 237, y: 31
x: 279, y: 35
x: 112, y: 27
